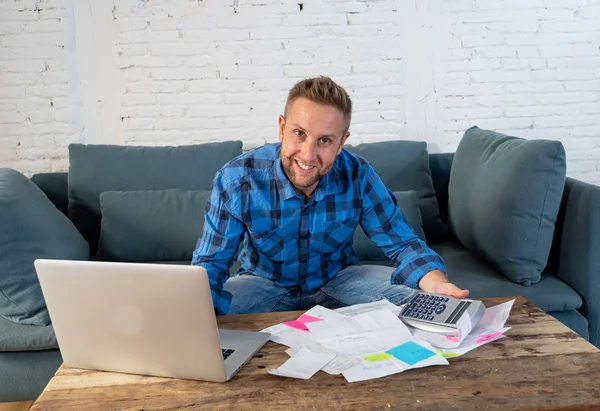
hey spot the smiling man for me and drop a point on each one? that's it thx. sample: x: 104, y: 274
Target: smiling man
x: 295, y: 205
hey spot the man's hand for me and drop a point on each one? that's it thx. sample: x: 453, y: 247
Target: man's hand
x: 437, y: 283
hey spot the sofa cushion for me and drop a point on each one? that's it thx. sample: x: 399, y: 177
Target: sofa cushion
x: 31, y: 227
x: 402, y: 166
x: 504, y: 196
x: 94, y: 169
x: 151, y: 225
x: 574, y: 320
x: 24, y: 375
x: 408, y: 202
x: 56, y: 188
x: 468, y: 271
x: 21, y: 337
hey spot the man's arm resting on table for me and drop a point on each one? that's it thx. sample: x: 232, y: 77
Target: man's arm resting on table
x: 436, y: 282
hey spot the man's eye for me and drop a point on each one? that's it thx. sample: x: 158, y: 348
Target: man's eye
x: 325, y: 140
x: 299, y: 133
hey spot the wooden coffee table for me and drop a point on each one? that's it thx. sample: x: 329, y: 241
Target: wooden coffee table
x: 540, y: 364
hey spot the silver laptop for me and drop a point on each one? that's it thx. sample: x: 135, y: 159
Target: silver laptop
x: 150, y: 319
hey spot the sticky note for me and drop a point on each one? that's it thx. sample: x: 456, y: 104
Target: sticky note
x: 449, y: 354
x: 410, y: 353
x: 453, y: 338
x: 378, y: 357
x: 301, y: 321
x: 488, y: 337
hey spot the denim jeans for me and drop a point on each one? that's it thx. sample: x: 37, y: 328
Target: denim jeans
x: 353, y: 285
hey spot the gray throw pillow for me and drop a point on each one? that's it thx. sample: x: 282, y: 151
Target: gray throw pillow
x: 408, y: 202
x: 151, y: 225
x: 503, y: 200
x: 402, y: 166
x: 20, y: 337
x: 31, y: 227
x: 94, y: 169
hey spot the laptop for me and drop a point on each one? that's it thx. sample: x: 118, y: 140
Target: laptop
x: 149, y: 319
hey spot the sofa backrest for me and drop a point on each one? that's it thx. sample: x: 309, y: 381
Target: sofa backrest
x: 440, y: 165
x: 56, y: 185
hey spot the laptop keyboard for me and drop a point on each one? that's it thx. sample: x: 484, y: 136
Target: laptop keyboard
x: 227, y: 352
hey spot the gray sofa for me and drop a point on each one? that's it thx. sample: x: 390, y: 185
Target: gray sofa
x: 145, y: 184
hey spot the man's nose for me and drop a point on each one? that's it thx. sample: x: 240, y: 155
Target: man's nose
x: 308, y: 150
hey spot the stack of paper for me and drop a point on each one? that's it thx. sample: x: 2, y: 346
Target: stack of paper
x: 368, y: 341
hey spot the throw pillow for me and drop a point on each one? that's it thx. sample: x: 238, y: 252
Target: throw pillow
x: 402, y: 166
x: 503, y: 200
x: 151, y: 225
x: 94, y: 169
x: 408, y: 202
x: 31, y: 228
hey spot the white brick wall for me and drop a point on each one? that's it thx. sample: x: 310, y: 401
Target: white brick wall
x: 181, y: 71
x: 36, y: 102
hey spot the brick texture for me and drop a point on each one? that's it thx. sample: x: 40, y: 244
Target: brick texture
x: 209, y: 70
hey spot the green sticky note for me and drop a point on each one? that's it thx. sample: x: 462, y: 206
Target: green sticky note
x: 450, y: 354
x: 378, y: 357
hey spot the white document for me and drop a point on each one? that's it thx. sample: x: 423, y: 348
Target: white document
x: 367, y: 370
x: 371, y: 370
x: 334, y: 327
x: 496, y: 316
x: 325, y: 313
x: 292, y: 337
x: 366, y: 307
x: 473, y: 341
x: 365, y: 343
x: 381, y: 319
x: 340, y: 364
x: 464, y: 327
x: 336, y: 366
x: 304, y: 364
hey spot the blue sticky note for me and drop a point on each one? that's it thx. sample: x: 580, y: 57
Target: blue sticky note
x: 410, y: 353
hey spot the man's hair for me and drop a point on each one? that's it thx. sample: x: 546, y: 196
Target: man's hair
x: 322, y: 90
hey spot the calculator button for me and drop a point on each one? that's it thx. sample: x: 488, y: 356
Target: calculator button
x: 440, y: 309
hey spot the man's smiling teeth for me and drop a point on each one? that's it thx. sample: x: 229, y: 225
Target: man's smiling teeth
x: 304, y: 166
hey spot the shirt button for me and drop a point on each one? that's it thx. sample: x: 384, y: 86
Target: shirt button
x: 304, y: 236
x: 302, y: 259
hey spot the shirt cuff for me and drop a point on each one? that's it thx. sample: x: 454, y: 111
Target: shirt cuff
x: 221, y: 301
x: 410, y: 274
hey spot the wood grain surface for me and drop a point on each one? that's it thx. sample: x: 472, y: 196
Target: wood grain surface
x: 540, y: 365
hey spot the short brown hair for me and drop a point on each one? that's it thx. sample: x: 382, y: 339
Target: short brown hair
x: 322, y: 90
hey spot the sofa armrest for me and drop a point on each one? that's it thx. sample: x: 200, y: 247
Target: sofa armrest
x: 579, y: 257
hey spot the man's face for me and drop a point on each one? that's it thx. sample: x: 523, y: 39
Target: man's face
x: 311, y: 138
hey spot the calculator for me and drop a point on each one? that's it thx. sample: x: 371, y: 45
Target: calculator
x: 439, y: 313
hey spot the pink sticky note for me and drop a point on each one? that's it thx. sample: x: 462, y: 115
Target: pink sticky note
x: 301, y: 321
x: 487, y: 337
x: 453, y: 338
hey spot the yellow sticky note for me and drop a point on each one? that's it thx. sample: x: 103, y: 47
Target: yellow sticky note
x: 450, y: 354
x: 378, y: 357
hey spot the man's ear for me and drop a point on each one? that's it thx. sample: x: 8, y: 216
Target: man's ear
x: 281, y: 126
x: 343, y: 142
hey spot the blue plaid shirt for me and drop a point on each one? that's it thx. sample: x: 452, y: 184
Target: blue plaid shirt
x: 297, y: 242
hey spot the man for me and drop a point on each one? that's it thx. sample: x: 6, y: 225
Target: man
x: 295, y: 205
